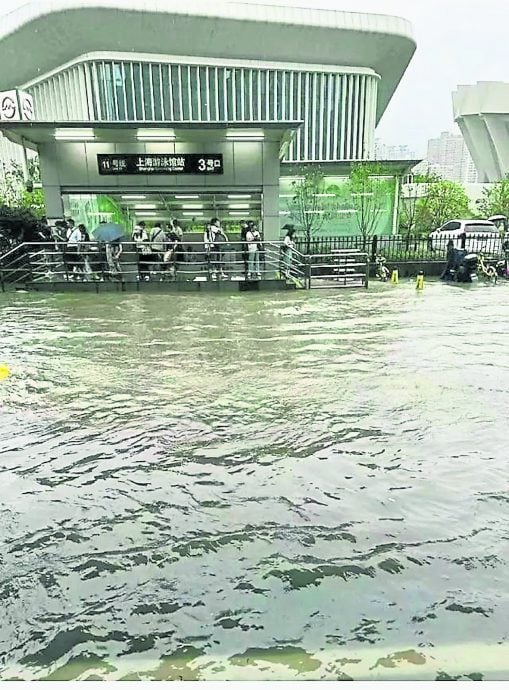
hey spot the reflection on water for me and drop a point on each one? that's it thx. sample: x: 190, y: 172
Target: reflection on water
x: 259, y: 486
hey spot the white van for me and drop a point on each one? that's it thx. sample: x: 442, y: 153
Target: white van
x: 477, y: 236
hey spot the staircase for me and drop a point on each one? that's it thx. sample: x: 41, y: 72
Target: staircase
x: 341, y: 268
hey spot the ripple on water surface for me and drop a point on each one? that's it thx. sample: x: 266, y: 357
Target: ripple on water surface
x: 259, y: 486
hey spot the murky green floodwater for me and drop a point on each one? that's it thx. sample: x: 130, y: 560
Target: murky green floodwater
x: 285, y: 486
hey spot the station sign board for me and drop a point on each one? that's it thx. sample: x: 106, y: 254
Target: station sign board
x: 160, y: 164
x: 16, y: 105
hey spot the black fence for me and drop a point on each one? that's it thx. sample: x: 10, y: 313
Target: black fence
x: 403, y: 248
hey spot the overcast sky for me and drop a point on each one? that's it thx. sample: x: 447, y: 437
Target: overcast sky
x: 458, y: 42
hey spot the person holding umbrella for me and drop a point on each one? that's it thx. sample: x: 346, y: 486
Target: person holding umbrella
x: 110, y: 234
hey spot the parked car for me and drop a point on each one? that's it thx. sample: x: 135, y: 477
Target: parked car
x: 472, y: 235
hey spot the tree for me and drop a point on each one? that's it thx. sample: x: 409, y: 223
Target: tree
x: 495, y: 200
x: 444, y: 201
x: 312, y: 203
x: 19, y: 225
x: 369, y: 189
x: 14, y: 192
x: 413, y: 199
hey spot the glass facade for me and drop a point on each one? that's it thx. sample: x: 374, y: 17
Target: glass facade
x: 338, y: 110
x: 193, y: 210
x: 345, y: 218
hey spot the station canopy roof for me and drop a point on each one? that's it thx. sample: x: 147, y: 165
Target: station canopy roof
x: 31, y: 134
x: 43, y: 36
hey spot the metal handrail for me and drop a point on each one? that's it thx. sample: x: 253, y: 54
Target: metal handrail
x: 11, y: 251
x: 51, y: 260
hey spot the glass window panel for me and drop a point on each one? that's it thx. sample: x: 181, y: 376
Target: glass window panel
x: 331, y: 124
x: 298, y: 88
x: 195, y: 93
x: 213, y: 94
x: 138, y: 91
x: 239, y: 92
x: 280, y: 76
x: 118, y: 81
x: 263, y: 95
x: 272, y: 94
x: 170, y: 74
x: 110, y: 83
x: 184, y: 93
x: 129, y: 91
x: 248, y: 105
x: 100, y: 85
x: 221, y: 92
x: 230, y: 94
x: 255, y: 94
x: 156, y: 82
x: 204, y: 94
x: 147, y: 91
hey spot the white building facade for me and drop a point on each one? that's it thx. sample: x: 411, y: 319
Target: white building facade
x: 338, y: 106
x: 321, y: 79
x: 482, y: 114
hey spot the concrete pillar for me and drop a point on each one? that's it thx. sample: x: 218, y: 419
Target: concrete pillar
x: 53, y: 202
x: 50, y: 178
x: 270, y: 212
x: 270, y: 205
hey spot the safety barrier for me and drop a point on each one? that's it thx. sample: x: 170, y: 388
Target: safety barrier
x: 340, y: 268
x: 403, y: 247
x: 142, y: 262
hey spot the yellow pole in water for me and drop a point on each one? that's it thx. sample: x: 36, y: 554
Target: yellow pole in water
x: 419, y: 283
x: 395, y: 276
x: 5, y: 372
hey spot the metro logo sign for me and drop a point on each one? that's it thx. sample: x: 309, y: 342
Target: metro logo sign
x: 26, y: 103
x: 9, y: 106
x: 16, y: 105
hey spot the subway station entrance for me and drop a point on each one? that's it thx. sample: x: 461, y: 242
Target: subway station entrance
x: 124, y: 173
x: 130, y: 171
x: 193, y: 208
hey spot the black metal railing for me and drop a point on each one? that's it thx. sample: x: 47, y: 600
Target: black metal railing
x: 403, y: 248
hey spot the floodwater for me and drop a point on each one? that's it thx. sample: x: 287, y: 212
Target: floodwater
x: 284, y: 486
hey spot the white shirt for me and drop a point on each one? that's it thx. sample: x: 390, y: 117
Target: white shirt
x: 75, y: 236
x: 288, y: 242
x: 210, y: 233
x: 252, y: 239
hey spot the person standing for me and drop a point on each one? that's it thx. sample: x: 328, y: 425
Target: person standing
x: 214, y: 240
x: 158, y: 245
x: 113, y: 254
x: 208, y: 243
x: 287, y: 250
x: 243, y: 247
x: 84, y: 249
x: 176, y: 234
x: 141, y: 239
x: 253, y: 240
x: 85, y: 236
x: 72, y: 257
x: 158, y: 239
x: 177, y: 229
x: 139, y: 233
x: 220, y: 240
x: 71, y: 225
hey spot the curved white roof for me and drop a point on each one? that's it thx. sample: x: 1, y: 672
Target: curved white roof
x: 40, y: 36
x: 482, y: 113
